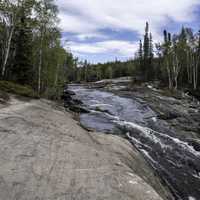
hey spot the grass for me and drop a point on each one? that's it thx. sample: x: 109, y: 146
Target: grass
x: 14, y: 88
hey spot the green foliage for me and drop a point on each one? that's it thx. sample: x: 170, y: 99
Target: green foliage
x: 17, y: 89
x: 4, y: 97
x: 22, y: 64
x: 31, y: 51
x: 88, y: 72
x: 145, y: 56
x: 181, y: 59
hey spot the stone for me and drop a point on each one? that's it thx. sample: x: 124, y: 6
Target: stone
x: 45, y: 154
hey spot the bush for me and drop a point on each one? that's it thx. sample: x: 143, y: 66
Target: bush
x: 54, y: 93
x: 17, y: 89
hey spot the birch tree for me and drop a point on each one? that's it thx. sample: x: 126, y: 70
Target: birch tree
x: 46, y: 12
x: 8, y: 14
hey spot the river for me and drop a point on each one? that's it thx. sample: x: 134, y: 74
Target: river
x: 173, y: 159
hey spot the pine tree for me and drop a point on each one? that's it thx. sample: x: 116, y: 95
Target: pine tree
x: 151, y: 48
x: 22, y: 67
x: 146, y: 43
x: 147, y: 55
x: 150, y: 70
x: 165, y: 36
x: 140, y: 53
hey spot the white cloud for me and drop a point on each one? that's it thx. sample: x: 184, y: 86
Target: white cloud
x: 75, y: 24
x: 83, y: 37
x: 114, y: 47
x: 86, y: 18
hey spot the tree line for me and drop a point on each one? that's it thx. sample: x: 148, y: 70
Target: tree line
x: 181, y: 58
x: 175, y: 62
x: 31, y: 51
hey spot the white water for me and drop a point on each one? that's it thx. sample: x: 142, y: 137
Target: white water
x: 176, y: 161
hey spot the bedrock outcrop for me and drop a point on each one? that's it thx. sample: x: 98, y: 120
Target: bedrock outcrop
x: 46, y: 155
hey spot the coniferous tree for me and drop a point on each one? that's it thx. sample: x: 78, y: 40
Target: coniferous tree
x: 151, y: 55
x: 31, y: 51
x: 150, y: 69
x: 23, y: 67
x: 140, y: 54
x: 146, y: 42
x: 146, y: 51
x: 145, y: 55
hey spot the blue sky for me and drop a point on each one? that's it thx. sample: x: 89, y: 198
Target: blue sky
x: 105, y: 30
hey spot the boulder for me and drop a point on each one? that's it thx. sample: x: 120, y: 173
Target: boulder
x: 69, y: 92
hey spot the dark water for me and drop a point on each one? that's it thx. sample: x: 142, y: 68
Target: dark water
x: 176, y: 162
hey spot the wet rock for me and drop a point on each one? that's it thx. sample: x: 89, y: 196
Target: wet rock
x: 194, y: 93
x: 66, y: 97
x: 69, y: 92
x: 72, y: 103
x: 78, y: 109
x: 168, y: 116
x: 175, y: 160
x: 195, y: 144
x: 77, y: 101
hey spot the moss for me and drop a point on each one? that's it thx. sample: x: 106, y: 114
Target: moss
x: 177, y: 94
x: 4, y: 97
x: 14, y: 88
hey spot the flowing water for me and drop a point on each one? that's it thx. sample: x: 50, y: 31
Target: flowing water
x: 174, y: 160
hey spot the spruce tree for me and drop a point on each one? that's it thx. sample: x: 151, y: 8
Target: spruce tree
x: 145, y: 56
x: 151, y: 47
x: 165, y: 36
x: 22, y: 67
x: 140, y: 53
x: 150, y: 69
x: 146, y: 43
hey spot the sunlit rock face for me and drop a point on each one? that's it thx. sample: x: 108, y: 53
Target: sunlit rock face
x: 45, y: 154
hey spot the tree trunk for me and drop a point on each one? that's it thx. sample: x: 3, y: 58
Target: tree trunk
x: 189, y: 66
x: 176, y: 71
x: 40, y: 63
x: 56, y: 75
x: 195, y: 71
x: 195, y: 75
x: 169, y: 76
x: 176, y: 82
x: 7, y: 51
x: 39, y: 71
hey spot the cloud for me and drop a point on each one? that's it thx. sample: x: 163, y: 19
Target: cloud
x: 89, y: 15
x: 86, y: 36
x: 74, y: 24
x: 87, y: 19
x: 112, y: 47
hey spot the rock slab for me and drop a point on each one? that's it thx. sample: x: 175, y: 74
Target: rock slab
x: 46, y: 155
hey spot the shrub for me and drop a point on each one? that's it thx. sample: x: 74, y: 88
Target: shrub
x: 17, y: 89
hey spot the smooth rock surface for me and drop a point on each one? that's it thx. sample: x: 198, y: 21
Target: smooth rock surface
x: 46, y: 155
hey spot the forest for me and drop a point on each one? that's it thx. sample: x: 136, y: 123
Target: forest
x: 31, y: 53
x: 175, y: 62
x: 125, y: 128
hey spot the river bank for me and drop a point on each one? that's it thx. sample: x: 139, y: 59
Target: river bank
x: 163, y: 128
x: 45, y: 154
x: 180, y: 111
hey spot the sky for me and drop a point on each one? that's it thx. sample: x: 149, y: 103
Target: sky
x: 106, y: 30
